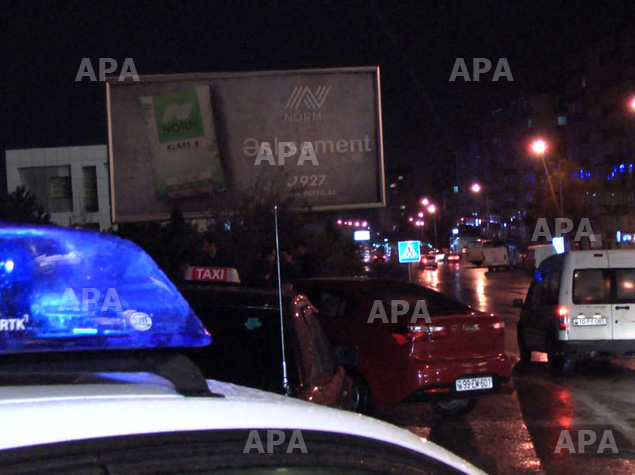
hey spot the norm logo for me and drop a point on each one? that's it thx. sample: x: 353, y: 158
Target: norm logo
x: 173, y: 111
x: 304, y: 95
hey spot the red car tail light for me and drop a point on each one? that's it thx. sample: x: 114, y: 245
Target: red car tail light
x: 498, y: 328
x: 563, y: 318
x: 413, y: 333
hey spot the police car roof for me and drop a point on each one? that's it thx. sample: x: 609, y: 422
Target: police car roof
x: 34, y: 415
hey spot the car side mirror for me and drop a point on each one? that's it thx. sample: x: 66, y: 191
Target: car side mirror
x: 347, y: 355
x: 517, y: 303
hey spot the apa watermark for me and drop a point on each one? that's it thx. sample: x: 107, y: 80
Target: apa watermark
x: 275, y: 438
x: 563, y: 226
x: 397, y: 309
x: 89, y: 296
x: 586, y: 438
x: 106, y: 66
x: 481, y: 66
x: 286, y: 150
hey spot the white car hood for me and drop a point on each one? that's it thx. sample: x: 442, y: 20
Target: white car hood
x: 33, y: 415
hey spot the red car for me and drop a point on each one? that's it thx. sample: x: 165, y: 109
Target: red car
x: 450, y: 359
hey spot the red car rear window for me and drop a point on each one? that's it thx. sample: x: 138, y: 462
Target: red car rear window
x: 436, y: 302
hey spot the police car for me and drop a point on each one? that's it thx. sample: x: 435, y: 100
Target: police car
x: 91, y: 379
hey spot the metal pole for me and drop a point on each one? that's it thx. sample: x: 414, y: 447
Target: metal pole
x: 553, y: 193
x: 285, y: 380
x: 560, y: 185
x: 436, y: 244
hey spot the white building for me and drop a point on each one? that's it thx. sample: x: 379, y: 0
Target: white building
x: 71, y: 183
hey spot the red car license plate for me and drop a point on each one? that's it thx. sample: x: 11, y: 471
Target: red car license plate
x: 474, y: 384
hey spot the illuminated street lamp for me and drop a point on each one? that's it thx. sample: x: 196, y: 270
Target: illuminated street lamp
x: 539, y: 147
x: 633, y: 103
x: 424, y: 201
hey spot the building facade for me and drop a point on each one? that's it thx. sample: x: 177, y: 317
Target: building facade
x: 71, y: 183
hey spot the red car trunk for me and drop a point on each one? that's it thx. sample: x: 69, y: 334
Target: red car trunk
x: 453, y: 337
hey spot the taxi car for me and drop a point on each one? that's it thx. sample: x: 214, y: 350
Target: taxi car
x: 414, y: 344
x: 92, y: 379
x: 248, y: 341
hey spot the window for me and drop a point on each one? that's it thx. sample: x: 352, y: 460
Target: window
x: 625, y: 283
x: 222, y: 451
x: 590, y: 286
x: 91, y: 203
x: 51, y: 185
x: 436, y: 303
x: 562, y: 120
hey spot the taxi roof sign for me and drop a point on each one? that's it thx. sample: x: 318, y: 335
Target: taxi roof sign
x: 212, y: 274
x: 409, y: 251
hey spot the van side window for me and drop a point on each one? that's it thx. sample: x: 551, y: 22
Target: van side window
x: 625, y: 285
x: 590, y: 286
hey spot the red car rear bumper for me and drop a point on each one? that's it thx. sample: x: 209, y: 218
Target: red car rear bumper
x: 435, y: 380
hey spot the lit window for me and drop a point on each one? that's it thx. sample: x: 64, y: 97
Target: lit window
x: 562, y: 120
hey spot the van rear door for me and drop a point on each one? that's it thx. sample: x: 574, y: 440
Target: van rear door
x: 622, y: 262
x: 590, y: 315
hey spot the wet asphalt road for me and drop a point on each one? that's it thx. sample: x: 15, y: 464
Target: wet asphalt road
x: 520, y: 433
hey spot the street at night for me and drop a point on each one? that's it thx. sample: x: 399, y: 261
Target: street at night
x: 519, y: 433
x: 395, y: 236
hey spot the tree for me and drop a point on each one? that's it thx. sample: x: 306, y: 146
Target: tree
x: 21, y: 206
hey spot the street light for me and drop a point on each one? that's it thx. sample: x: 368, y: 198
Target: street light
x: 433, y: 210
x: 424, y: 201
x: 539, y: 147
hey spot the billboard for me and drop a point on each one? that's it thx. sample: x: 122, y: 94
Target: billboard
x: 207, y: 142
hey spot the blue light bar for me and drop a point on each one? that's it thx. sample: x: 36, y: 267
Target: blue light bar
x: 70, y: 290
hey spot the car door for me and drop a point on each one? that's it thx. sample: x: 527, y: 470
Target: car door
x: 623, y: 309
x: 591, y: 308
x: 529, y: 311
x: 323, y: 381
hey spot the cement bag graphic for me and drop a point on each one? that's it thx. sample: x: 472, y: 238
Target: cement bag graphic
x: 185, y: 158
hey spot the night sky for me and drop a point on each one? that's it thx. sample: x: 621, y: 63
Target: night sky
x: 415, y: 43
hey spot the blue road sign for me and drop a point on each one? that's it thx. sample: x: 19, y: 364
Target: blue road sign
x: 409, y: 251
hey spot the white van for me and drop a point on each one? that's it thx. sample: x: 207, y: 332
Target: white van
x: 500, y: 254
x: 536, y: 254
x: 580, y: 304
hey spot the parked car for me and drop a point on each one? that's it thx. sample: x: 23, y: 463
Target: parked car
x: 247, y: 350
x: 450, y: 360
x: 580, y: 304
x: 97, y: 385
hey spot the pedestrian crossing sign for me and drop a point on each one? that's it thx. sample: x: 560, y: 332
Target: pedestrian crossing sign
x: 409, y: 251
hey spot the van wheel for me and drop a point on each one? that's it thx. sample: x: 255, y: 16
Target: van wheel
x: 525, y: 352
x: 454, y: 407
x: 555, y: 361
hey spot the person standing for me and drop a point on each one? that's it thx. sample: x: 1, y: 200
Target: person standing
x: 305, y: 260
